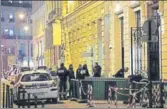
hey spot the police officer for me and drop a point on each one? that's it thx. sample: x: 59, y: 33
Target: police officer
x: 78, y: 72
x: 71, y: 76
x: 84, y: 72
x: 62, y: 73
x: 97, y: 70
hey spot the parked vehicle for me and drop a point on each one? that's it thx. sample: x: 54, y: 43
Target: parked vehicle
x: 38, y: 83
x: 54, y: 76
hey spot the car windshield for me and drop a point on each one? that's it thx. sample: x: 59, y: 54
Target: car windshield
x: 53, y: 73
x: 36, y: 77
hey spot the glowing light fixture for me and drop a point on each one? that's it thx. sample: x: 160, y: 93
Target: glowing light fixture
x: 118, y: 7
x: 70, y: 1
x: 21, y: 16
x: 6, y: 30
x: 26, y: 28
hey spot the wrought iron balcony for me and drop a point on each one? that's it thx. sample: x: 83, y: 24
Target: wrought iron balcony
x: 18, y: 37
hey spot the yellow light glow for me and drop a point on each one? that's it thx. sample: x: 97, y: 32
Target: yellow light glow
x: 118, y: 7
x: 21, y: 16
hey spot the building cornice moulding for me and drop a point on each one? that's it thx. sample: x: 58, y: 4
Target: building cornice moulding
x: 135, y: 5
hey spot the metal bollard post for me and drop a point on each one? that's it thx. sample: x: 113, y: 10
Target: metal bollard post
x: 28, y: 100
x: 11, y: 92
x: 35, y: 101
x: 24, y: 100
x: 43, y: 104
x: 18, y: 97
x: 3, y: 95
x: 7, y: 96
x: 162, y: 94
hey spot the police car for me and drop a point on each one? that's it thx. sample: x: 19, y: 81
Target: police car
x: 54, y: 76
x: 38, y: 83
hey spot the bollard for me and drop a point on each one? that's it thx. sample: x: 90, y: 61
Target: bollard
x: 3, y: 95
x: 7, y: 96
x: 35, y: 101
x: 18, y: 98
x: 24, y: 100
x: 28, y: 100
x: 11, y: 92
x: 43, y: 104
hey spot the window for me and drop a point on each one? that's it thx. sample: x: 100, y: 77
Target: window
x: 2, y: 16
x: 31, y: 50
x: 6, y: 31
x: 122, y: 41
x: 11, y: 17
x: 138, y: 18
x: 2, y: 32
x: 20, y: 1
x: 11, y: 33
x: 36, y: 77
x: 22, y: 33
x: 22, y: 47
x: 9, y: 50
x: 10, y: 1
x: 137, y: 51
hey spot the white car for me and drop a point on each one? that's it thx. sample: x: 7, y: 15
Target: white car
x: 54, y: 76
x: 38, y: 83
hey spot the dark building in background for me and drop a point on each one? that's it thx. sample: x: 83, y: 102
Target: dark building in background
x: 16, y: 35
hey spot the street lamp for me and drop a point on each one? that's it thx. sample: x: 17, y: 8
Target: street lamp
x: 118, y: 7
x: 26, y: 28
x: 21, y: 16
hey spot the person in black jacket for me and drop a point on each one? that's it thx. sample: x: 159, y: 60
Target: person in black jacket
x: 97, y: 70
x: 120, y: 73
x: 84, y: 72
x: 62, y: 73
x: 78, y: 72
x: 71, y: 76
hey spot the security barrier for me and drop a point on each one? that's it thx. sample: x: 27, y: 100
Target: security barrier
x: 100, y: 88
x: 6, y: 94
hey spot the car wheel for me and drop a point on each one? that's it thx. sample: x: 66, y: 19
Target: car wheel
x: 55, y: 100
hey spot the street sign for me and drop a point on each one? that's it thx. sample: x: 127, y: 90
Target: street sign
x: 154, y: 38
x: 145, y: 34
x: 87, y: 54
x: 146, y: 26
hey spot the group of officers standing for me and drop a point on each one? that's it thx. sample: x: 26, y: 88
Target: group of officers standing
x: 81, y: 72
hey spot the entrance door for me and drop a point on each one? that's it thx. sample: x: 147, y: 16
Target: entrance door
x: 153, y: 48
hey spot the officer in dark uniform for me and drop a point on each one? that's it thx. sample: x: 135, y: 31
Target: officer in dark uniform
x: 84, y: 72
x: 62, y: 73
x: 71, y: 76
x: 78, y: 72
x: 97, y: 70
